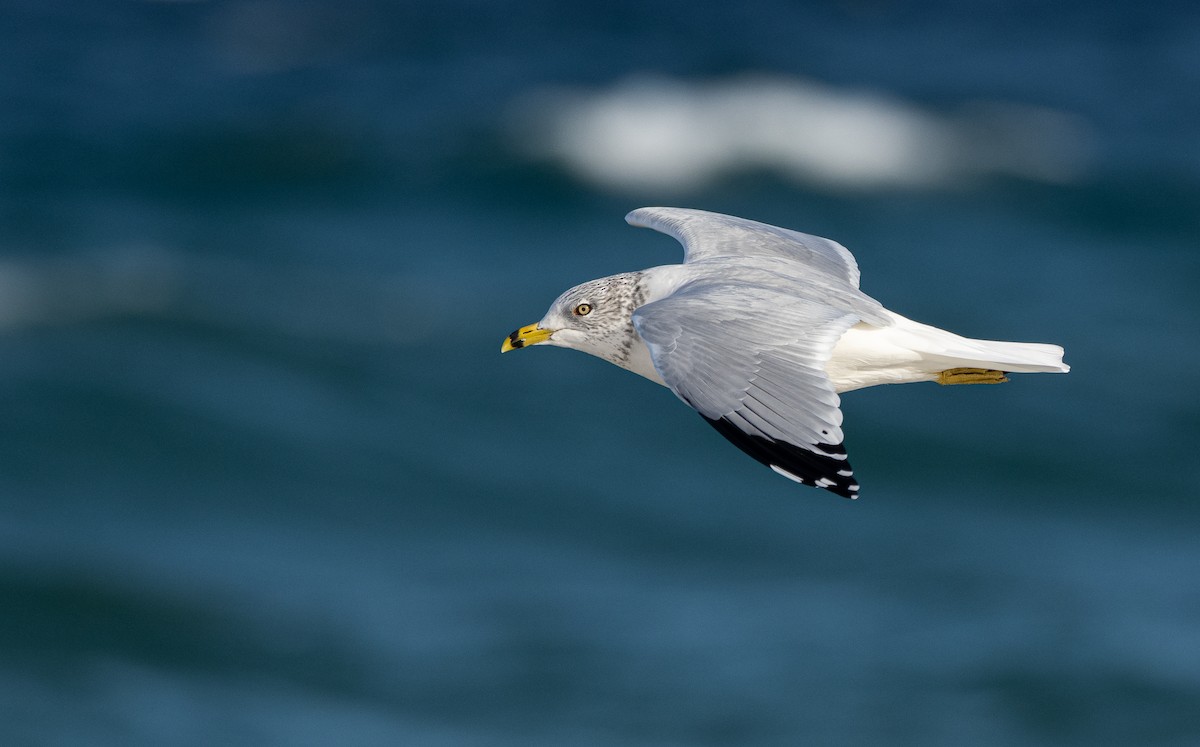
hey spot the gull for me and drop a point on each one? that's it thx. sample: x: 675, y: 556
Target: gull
x: 760, y: 330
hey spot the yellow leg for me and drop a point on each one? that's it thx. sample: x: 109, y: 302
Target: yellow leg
x: 971, y: 376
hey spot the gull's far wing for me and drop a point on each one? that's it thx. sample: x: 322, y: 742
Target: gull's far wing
x: 751, y: 361
x: 705, y: 235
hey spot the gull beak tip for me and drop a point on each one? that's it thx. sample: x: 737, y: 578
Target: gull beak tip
x: 528, y: 335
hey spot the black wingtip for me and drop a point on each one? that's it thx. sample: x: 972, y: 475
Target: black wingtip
x: 826, y: 468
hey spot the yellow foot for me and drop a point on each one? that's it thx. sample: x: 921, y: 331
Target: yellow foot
x: 971, y: 376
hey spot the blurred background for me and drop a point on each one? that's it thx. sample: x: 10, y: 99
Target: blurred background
x: 266, y: 479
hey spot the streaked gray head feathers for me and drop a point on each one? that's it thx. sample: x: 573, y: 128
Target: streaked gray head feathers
x: 594, y: 317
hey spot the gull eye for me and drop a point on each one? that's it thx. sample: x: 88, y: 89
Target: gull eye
x: 583, y: 309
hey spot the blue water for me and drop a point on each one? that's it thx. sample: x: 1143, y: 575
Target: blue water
x: 265, y: 478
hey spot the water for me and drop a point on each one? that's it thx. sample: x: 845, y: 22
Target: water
x: 266, y: 479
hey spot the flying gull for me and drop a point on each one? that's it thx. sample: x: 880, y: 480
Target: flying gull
x: 759, y: 330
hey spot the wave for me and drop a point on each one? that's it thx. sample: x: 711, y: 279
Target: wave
x: 229, y: 293
x: 650, y: 133
x: 60, y: 290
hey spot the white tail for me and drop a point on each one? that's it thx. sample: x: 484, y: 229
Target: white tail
x: 948, y: 350
x: 911, y: 351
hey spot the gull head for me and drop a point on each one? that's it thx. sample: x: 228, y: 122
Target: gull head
x: 594, y: 317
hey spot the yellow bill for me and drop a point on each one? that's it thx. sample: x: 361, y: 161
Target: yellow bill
x: 528, y: 335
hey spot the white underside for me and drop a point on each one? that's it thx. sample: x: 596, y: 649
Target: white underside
x: 904, y: 352
x: 909, y: 351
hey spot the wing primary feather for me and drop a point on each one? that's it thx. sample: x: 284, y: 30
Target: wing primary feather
x: 829, y: 470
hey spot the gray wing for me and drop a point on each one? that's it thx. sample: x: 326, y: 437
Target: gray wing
x: 751, y: 361
x: 705, y: 235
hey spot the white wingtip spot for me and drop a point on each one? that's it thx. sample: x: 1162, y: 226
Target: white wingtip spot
x: 845, y: 472
x: 825, y: 482
x: 788, y: 475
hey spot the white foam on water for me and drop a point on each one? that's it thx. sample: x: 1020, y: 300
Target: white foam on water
x: 661, y: 134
